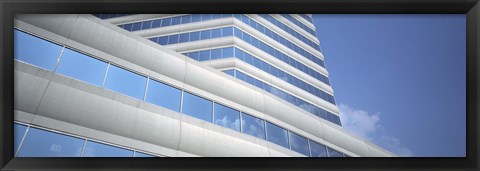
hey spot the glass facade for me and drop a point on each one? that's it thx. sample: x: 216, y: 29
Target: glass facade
x: 227, y: 117
x: 74, y: 64
x: 125, y: 82
x: 35, y: 51
x: 299, y: 24
x: 277, y: 135
x: 197, y: 107
x: 253, y: 126
x: 299, y: 144
x: 163, y: 95
x: 94, y: 149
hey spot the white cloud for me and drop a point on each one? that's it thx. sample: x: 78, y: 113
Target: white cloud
x: 367, y: 126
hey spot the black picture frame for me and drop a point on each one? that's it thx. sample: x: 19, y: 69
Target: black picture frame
x: 471, y: 8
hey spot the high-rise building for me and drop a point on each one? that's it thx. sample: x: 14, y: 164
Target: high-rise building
x: 175, y: 85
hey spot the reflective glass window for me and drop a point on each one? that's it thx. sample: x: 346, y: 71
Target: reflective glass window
x: 125, y: 82
x: 94, y: 149
x: 128, y: 27
x: 41, y: 143
x: 206, y: 34
x: 228, y: 31
x: 183, y: 37
x: 74, y: 64
x: 227, y: 117
x: 227, y: 52
x: 249, y: 79
x: 196, y: 17
x: 156, y: 23
x: 237, y: 32
x: 193, y: 55
x: 194, y: 36
x: 299, y: 144
x: 139, y: 154
x: 238, y: 53
x: 259, y: 84
x: 216, y: 33
x: 248, y: 58
x: 166, y: 22
x: 229, y: 72
x: 204, y: 55
x: 333, y: 153
x: 18, y: 132
x: 176, y: 20
x: 172, y: 39
x: 136, y: 26
x: 197, y: 107
x: 35, y: 51
x: 240, y: 75
x: 318, y: 150
x: 216, y: 54
x: 163, y: 95
x: 253, y: 126
x: 163, y: 40
x: 186, y: 19
x: 146, y: 25
x: 206, y: 17
x: 277, y: 135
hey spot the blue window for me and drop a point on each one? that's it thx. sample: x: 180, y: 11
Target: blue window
x: 139, y: 154
x: 257, y: 63
x: 40, y: 143
x: 166, y: 22
x: 35, y: 51
x: 240, y: 75
x: 277, y: 135
x: 249, y: 79
x: 163, y: 95
x: 216, y: 54
x: 74, y: 64
x: 193, y: 55
x: 154, y: 39
x: 128, y: 27
x: 183, y: 38
x: 228, y: 31
x: 196, y: 17
x: 230, y: 72
x: 238, y: 53
x: 246, y: 38
x: 238, y: 33
x: 333, y: 153
x: 259, y: 84
x: 299, y: 144
x: 172, y: 39
x: 18, y: 132
x: 206, y: 34
x: 186, y: 19
x: 194, y: 36
x: 227, y: 117
x: 216, y: 16
x: 156, y: 23
x: 248, y: 58
x: 317, y: 150
x: 163, y: 40
x: 204, y: 55
x: 227, y: 52
x: 94, y: 149
x: 216, y: 33
x: 253, y: 126
x: 136, y: 26
x: 197, y: 107
x: 176, y: 20
x: 206, y: 17
x: 146, y: 25
x: 125, y: 82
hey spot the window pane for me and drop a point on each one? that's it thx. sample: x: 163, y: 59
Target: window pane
x: 227, y: 117
x: 156, y: 23
x: 227, y: 52
x: 175, y: 20
x: 299, y: 144
x: 183, y: 38
x: 163, y: 95
x: 205, y: 34
x: 166, y: 22
x: 253, y: 126
x: 172, y: 39
x: 139, y: 154
x: 74, y: 64
x: 240, y: 75
x: 216, y: 54
x: 228, y: 31
x: 194, y: 36
x: 35, y: 51
x: 216, y: 33
x: 229, y: 72
x: 204, y: 55
x: 125, y: 82
x: 163, y: 40
x: 186, y: 19
x: 18, y: 132
x: 94, y: 149
x: 193, y: 55
x: 197, y: 107
x: 136, y: 26
x: 146, y: 25
x: 40, y: 143
x: 277, y: 135
x: 318, y: 150
x: 334, y: 153
x: 196, y: 17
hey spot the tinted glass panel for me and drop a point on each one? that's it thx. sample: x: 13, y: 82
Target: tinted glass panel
x: 18, y: 132
x: 35, y: 51
x: 227, y: 117
x: 334, y: 153
x: 299, y: 144
x: 317, y: 150
x: 216, y: 54
x: 194, y: 36
x: 197, y: 107
x: 228, y: 31
x: 183, y: 38
x: 229, y: 72
x: 163, y: 95
x: 138, y: 154
x: 125, y: 82
x: 74, y: 64
x: 40, y: 143
x: 253, y: 126
x: 94, y: 149
x: 227, y: 52
x: 216, y: 33
x: 277, y: 135
x: 205, y: 34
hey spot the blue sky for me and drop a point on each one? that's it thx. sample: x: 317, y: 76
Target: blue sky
x: 399, y: 80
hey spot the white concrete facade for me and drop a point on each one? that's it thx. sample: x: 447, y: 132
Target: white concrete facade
x: 58, y: 102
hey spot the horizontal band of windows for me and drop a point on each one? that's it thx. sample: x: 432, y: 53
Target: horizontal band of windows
x: 171, y: 21
x: 317, y: 111
x: 107, y: 16
x: 290, y: 31
x: 306, y: 17
x: 257, y: 26
x: 298, y: 23
x: 149, y: 24
x: 38, y: 142
x: 213, y: 54
x: 126, y: 82
x: 228, y: 31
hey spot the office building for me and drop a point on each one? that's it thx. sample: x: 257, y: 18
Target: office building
x: 175, y: 85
